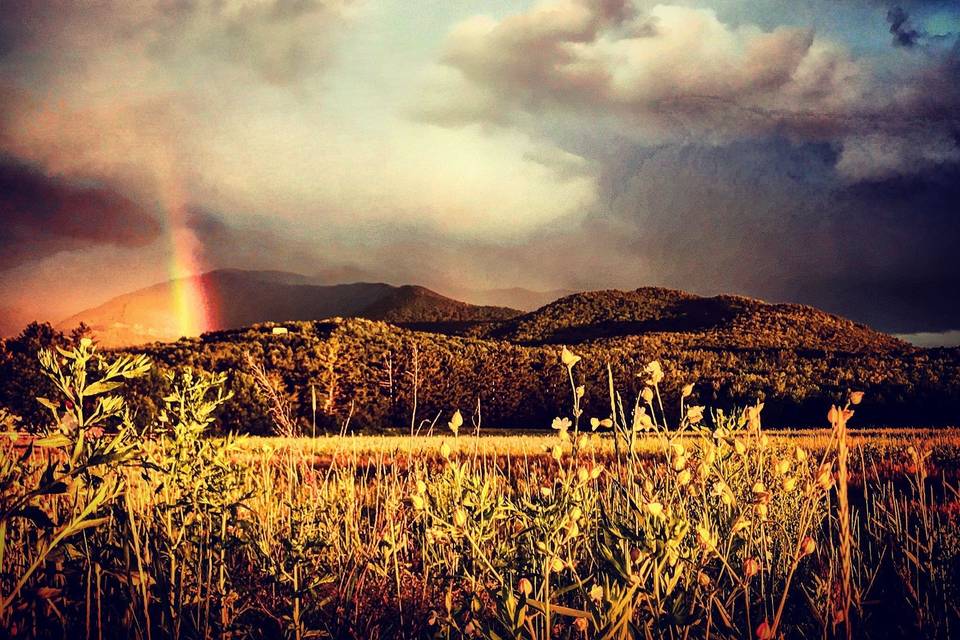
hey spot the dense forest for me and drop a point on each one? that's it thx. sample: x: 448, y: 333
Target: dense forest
x: 372, y: 374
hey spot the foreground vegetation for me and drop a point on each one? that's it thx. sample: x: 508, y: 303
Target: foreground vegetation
x: 628, y: 522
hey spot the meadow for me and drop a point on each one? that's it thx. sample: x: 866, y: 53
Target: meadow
x: 629, y: 524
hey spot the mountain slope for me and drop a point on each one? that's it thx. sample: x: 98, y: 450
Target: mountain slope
x: 239, y: 298
x: 715, y: 322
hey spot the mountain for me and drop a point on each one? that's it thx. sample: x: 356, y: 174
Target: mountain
x: 238, y: 298
x: 376, y: 352
x: 513, y: 297
x: 725, y: 322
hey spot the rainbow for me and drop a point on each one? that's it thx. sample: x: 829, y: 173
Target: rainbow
x: 192, y: 299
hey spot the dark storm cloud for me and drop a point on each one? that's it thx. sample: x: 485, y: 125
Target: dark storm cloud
x: 42, y: 215
x: 903, y: 31
x: 771, y: 219
x: 259, y: 245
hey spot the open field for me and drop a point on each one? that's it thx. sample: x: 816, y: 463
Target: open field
x: 604, y: 528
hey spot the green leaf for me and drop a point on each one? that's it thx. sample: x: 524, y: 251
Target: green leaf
x: 49, y: 404
x: 99, y: 387
x: 55, y: 440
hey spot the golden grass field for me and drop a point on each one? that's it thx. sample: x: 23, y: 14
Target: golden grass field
x: 605, y: 527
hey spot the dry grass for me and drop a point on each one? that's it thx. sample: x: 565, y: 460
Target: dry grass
x: 640, y: 528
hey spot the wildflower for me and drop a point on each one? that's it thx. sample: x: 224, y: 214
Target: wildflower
x: 703, y: 579
x: 751, y: 567
x: 825, y: 476
x: 761, y: 510
x: 677, y: 448
x: 655, y: 509
x: 418, y: 502
x: 706, y: 538
x: 568, y: 358
x: 807, y: 546
x: 789, y: 484
x: 546, y: 492
x: 679, y: 463
x: 709, y: 456
x: 856, y: 397
x: 655, y: 371
x: 782, y: 467
x: 556, y: 564
x: 460, y: 517
x: 740, y: 447
x: 421, y: 487
x: 582, y: 474
x: 760, y: 493
x: 573, y: 529
x: 764, y: 631
x: 595, y: 472
x: 445, y: 450
x: 683, y: 478
x: 525, y: 587
x: 606, y: 423
x: 800, y: 454
x: 641, y: 421
x: 647, y: 395
x: 576, y: 513
x: 580, y: 624
x: 86, y: 343
x: 560, y: 424
x: 753, y: 416
x: 557, y: 452
x: 456, y: 422
x: 743, y: 522
x: 687, y: 390
x: 695, y: 414
x: 596, y: 592
x: 580, y: 391
x: 722, y: 491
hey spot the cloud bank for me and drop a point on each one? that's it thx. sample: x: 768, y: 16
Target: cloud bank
x: 794, y: 155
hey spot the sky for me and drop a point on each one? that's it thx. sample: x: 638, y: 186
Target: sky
x: 790, y: 150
